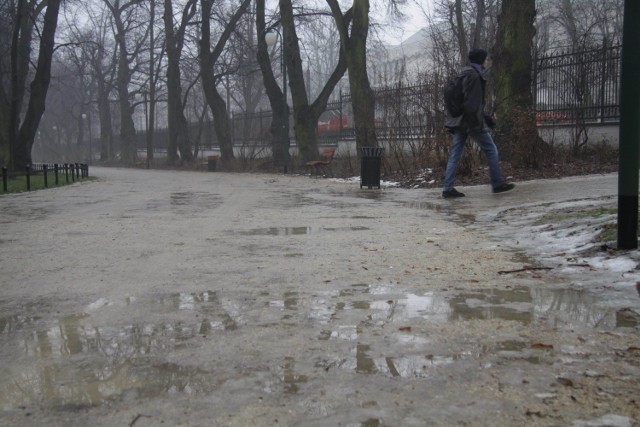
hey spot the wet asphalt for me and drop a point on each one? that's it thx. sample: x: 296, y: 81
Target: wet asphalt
x: 192, y: 298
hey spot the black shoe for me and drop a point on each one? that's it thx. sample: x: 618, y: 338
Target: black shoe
x: 452, y: 193
x: 504, y: 187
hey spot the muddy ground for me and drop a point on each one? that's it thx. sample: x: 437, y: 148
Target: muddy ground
x: 154, y: 298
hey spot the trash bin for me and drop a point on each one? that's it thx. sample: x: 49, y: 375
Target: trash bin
x: 211, y: 163
x: 371, y: 159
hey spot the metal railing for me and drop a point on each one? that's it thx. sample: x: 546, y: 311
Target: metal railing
x: 70, y: 171
x: 569, y: 88
x: 578, y: 87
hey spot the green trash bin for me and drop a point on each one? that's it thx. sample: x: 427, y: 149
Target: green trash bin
x: 211, y: 163
x: 371, y: 159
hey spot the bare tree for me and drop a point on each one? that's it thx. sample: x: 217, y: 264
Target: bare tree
x: 21, y: 135
x: 208, y: 59
x: 280, y: 113
x: 305, y: 114
x: 128, y: 25
x: 178, y: 130
x: 353, y: 27
x: 154, y: 73
x: 580, y: 24
x: 512, y: 72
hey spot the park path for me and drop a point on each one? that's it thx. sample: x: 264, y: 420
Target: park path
x: 178, y: 298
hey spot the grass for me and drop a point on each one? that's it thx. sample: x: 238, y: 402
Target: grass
x: 19, y: 184
x: 572, y: 214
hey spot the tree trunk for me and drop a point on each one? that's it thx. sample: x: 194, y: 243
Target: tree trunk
x: 354, y: 46
x: 104, y: 112
x: 460, y: 31
x: 512, y: 70
x: 305, y: 115
x: 127, y: 128
x: 477, y: 31
x: 178, y: 128
x: 20, y: 56
x: 274, y: 93
x: 208, y: 59
x: 150, y: 117
x: 39, y: 87
x: 128, y: 140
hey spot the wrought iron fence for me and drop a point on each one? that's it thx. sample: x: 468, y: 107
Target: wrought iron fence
x: 578, y: 88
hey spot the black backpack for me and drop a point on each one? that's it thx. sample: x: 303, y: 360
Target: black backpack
x: 453, y: 98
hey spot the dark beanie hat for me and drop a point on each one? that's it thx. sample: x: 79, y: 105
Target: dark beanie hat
x: 477, y: 56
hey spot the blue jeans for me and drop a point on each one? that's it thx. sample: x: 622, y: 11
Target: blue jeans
x: 486, y: 144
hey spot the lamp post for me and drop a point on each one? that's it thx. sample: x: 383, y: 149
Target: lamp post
x: 270, y: 39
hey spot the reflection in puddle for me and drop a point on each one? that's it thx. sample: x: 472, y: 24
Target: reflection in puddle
x: 562, y: 307
x: 364, y: 363
x: 290, y: 300
x: 297, y: 231
x: 445, y: 209
x: 291, y: 378
x: 520, y: 304
x: 66, y: 360
x: 419, y: 365
x: 74, y: 386
x: 69, y: 361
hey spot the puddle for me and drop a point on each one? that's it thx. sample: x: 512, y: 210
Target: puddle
x: 297, y: 231
x: 291, y: 378
x: 520, y: 304
x: 69, y: 361
x: 74, y: 387
x: 447, y: 210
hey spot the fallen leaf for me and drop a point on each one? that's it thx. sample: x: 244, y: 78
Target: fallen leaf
x: 405, y: 328
x: 542, y: 346
x: 565, y: 382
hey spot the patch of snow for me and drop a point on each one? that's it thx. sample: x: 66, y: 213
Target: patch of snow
x: 609, y: 420
x: 101, y: 302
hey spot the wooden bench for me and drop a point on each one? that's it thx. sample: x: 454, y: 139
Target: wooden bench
x: 322, y: 165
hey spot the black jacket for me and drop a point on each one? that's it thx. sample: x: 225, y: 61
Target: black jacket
x: 473, y: 84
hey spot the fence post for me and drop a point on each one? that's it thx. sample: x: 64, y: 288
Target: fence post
x: 44, y: 175
x: 535, y: 83
x: 5, y: 178
x: 55, y: 172
x: 340, y: 113
x: 28, y: 170
x: 603, y: 77
x: 66, y: 171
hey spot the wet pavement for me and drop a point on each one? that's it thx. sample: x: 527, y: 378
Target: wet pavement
x: 171, y: 298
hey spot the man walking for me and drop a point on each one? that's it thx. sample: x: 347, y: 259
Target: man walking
x: 473, y: 122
